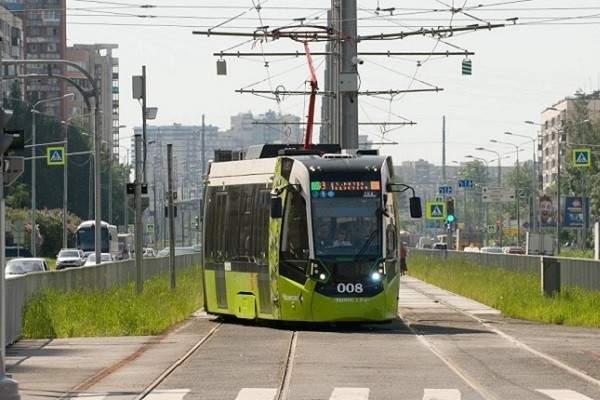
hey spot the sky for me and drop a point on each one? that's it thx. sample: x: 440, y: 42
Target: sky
x: 549, y: 52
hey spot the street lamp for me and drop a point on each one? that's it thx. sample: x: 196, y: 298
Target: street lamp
x: 33, y: 169
x: 499, y: 163
x: 516, y: 189
x: 65, y: 181
x: 533, y: 180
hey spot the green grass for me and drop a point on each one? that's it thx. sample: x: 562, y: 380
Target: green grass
x: 118, y: 311
x: 516, y: 295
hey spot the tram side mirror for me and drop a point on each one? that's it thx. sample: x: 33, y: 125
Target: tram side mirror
x: 276, y: 207
x: 415, y: 207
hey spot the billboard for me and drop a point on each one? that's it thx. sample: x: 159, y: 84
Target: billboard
x: 573, y: 210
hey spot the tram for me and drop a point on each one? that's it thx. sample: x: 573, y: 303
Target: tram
x: 296, y: 234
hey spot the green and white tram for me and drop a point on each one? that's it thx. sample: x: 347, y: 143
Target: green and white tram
x: 272, y: 241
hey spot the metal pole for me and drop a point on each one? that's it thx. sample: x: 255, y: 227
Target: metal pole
x: 33, y: 192
x: 518, y: 202
x: 9, y: 389
x: 65, y: 188
x: 97, y: 181
x: 139, y: 268
x: 171, y: 214
x: 558, y: 194
x: 144, y: 137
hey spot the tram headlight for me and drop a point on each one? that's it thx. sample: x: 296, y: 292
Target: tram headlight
x: 378, y: 271
x: 318, y: 271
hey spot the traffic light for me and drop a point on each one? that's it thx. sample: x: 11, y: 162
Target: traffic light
x: 450, y: 217
x: 466, y: 67
x: 5, y: 140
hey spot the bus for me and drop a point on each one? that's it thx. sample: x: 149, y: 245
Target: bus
x: 86, y: 233
x: 270, y: 217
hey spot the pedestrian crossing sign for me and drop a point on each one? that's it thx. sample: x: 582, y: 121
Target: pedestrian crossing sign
x: 435, y: 210
x: 55, y: 156
x: 581, y: 158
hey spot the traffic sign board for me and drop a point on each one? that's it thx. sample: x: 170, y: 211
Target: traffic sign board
x: 465, y: 183
x: 445, y: 189
x: 498, y: 194
x: 435, y: 210
x: 145, y: 202
x: 581, y: 158
x: 55, y: 156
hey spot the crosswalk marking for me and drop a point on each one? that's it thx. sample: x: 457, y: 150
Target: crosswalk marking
x: 564, y: 394
x: 441, y: 394
x: 176, y: 394
x: 340, y: 393
x: 350, y: 394
x: 256, y: 394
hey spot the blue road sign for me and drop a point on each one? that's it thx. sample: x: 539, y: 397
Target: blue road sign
x: 445, y: 189
x: 465, y: 183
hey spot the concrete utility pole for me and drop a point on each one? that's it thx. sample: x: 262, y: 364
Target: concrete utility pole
x: 349, y: 77
x: 9, y: 388
x: 171, y: 214
x: 139, y: 231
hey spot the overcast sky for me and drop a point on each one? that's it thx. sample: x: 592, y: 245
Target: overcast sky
x: 518, y: 70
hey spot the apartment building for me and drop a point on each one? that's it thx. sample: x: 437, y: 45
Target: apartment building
x: 102, y: 65
x: 554, y: 136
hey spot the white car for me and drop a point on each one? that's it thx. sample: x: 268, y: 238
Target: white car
x: 104, y: 257
x: 21, y: 266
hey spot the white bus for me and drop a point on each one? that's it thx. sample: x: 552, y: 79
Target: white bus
x: 85, y: 238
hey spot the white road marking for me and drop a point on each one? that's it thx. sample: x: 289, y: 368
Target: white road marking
x: 441, y: 394
x: 176, y: 394
x: 564, y: 394
x: 350, y: 394
x: 256, y: 394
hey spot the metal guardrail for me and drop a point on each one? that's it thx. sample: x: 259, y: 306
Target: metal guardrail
x: 580, y: 272
x: 20, y: 288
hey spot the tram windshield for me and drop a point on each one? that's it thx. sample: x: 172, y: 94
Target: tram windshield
x: 346, y: 225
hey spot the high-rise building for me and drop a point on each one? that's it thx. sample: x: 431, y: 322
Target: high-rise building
x: 103, y: 66
x: 45, y: 37
x: 11, y: 46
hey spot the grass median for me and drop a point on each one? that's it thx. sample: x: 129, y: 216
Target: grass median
x: 516, y: 295
x: 117, y: 311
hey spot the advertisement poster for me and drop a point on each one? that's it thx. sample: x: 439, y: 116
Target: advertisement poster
x: 547, y: 211
x: 575, y: 208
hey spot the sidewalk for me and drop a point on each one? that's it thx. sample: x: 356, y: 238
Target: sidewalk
x: 54, y: 368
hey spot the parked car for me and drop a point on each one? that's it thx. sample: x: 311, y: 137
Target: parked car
x: 513, y: 250
x: 178, y: 251
x: 16, y: 252
x: 69, y: 258
x: 21, y: 266
x: 104, y: 257
x: 149, y: 252
x: 493, y: 249
x: 471, y: 249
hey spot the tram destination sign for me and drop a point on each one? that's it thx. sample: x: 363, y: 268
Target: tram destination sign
x: 345, y: 186
x: 498, y: 194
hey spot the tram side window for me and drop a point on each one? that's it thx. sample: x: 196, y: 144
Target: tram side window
x: 295, y: 228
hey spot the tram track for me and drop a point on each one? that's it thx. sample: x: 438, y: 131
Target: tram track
x: 484, y: 323
x: 173, y: 367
